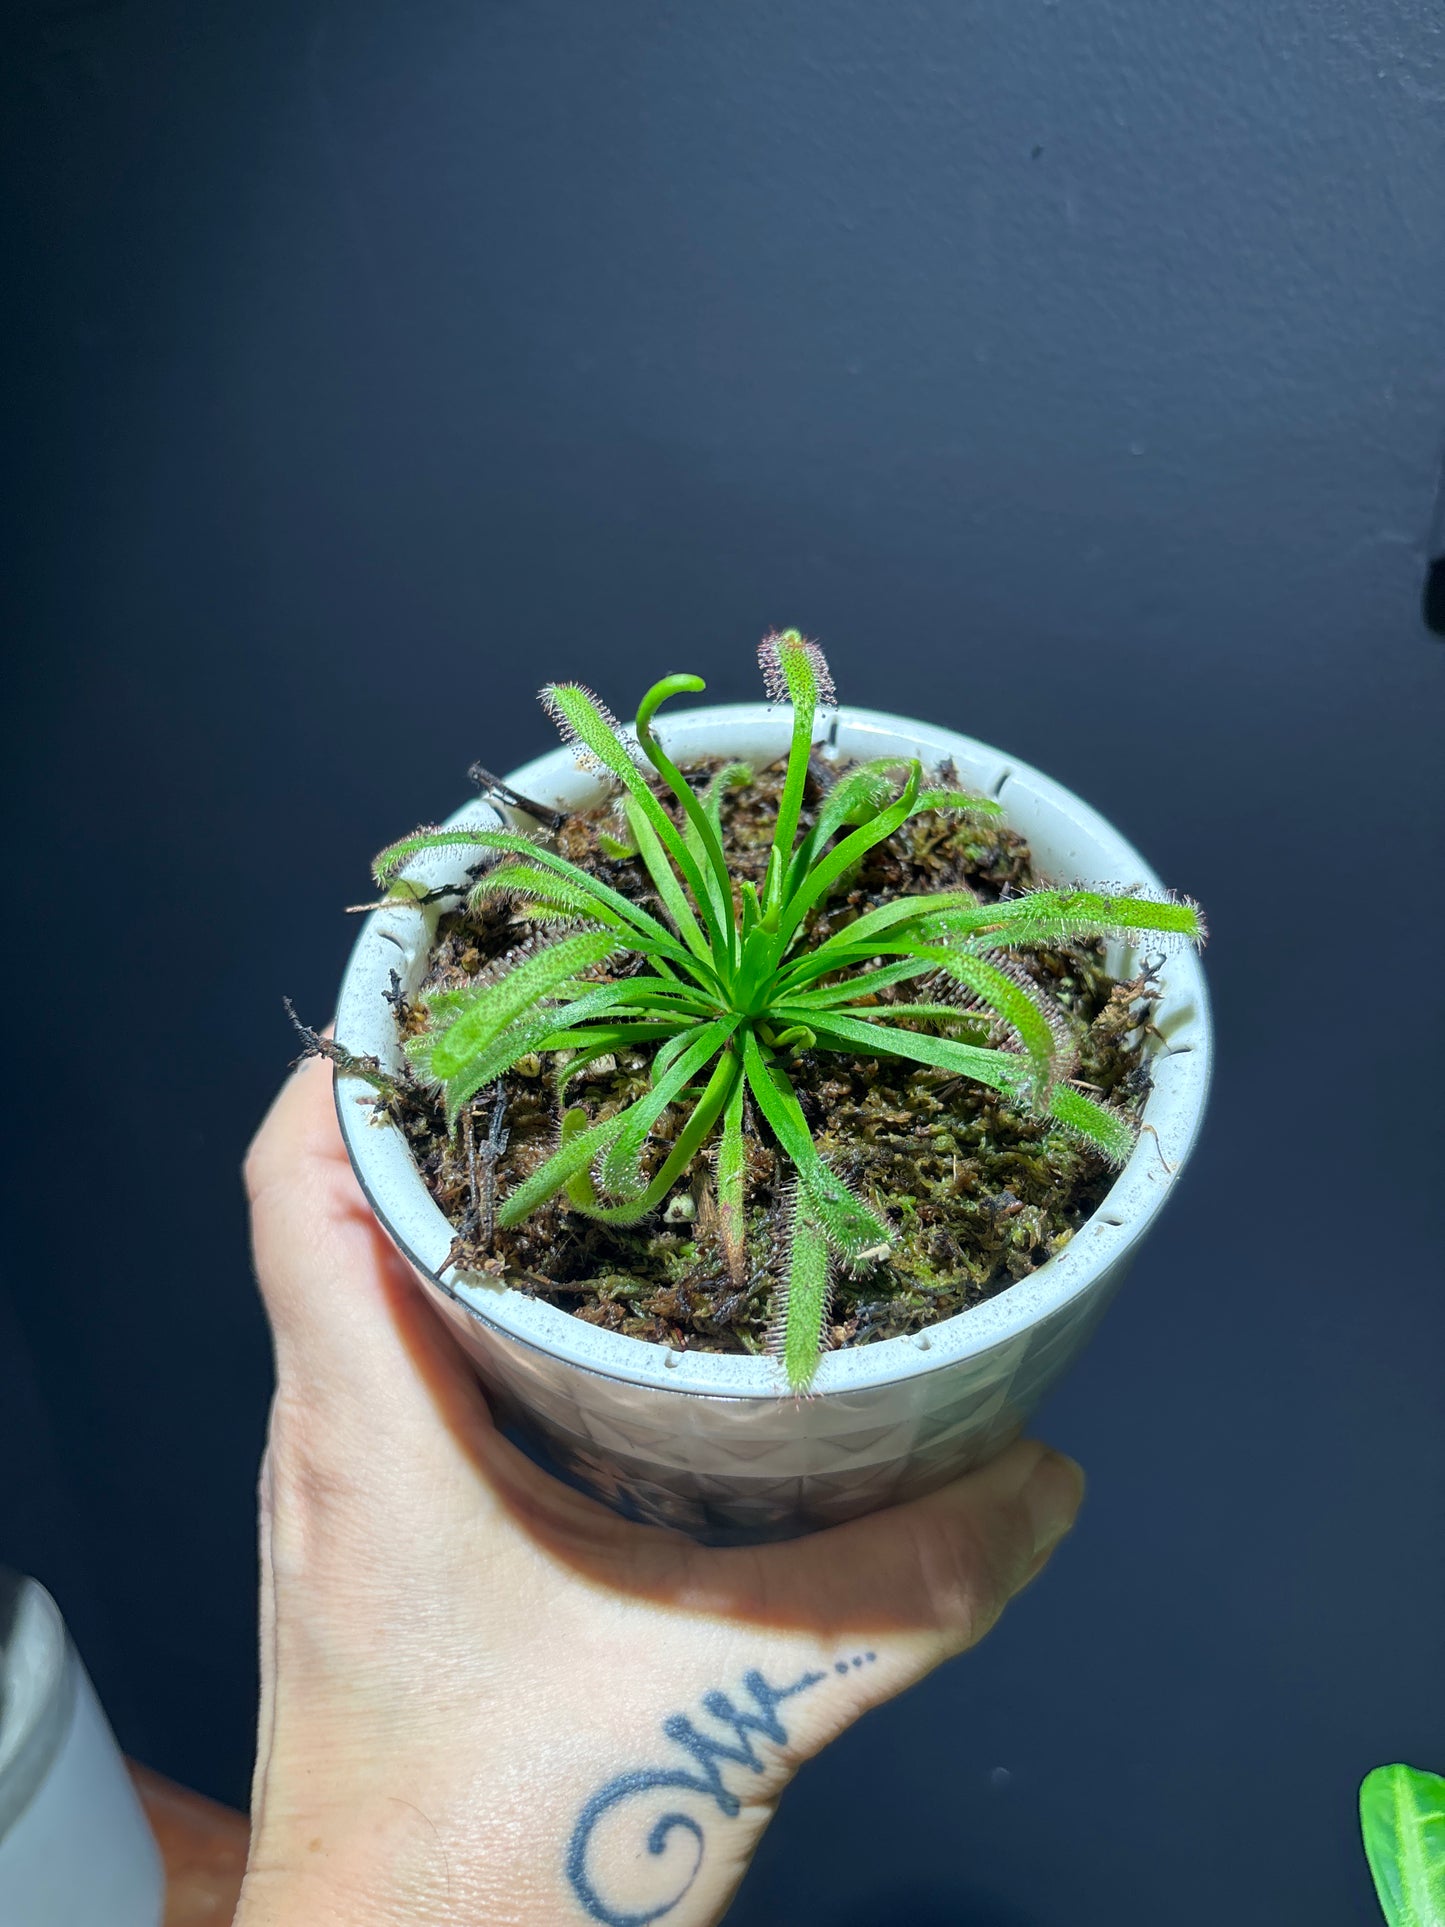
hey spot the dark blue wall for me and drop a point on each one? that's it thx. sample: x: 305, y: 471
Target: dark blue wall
x: 1077, y: 373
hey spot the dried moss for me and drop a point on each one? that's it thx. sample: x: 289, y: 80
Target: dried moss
x: 979, y: 1193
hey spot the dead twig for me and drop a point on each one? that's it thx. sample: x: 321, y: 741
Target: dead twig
x: 496, y: 791
x: 347, y: 1062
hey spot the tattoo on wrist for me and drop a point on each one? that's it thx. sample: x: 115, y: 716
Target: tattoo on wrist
x: 704, y: 1778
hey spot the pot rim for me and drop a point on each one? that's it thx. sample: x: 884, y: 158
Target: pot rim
x: 1173, y: 1111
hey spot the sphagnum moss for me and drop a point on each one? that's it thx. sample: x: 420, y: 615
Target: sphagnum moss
x: 765, y: 1036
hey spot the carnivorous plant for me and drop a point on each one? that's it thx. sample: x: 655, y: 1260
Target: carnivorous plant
x: 726, y: 983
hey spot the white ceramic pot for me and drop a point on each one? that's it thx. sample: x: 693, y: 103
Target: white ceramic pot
x: 715, y: 1444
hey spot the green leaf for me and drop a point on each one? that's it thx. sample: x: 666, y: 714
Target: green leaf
x: 621, y: 1172
x: 588, y: 1045
x: 491, y: 1007
x: 689, y: 1141
x: 659, y: 940
x: 855, y: 798
x: 910, y: 1013
x: 732, y: 1165
x: 862, y: 791
x: 574, y: 1154
x: 866, y: 983
x: 1106, y: 1130
x: 795, y: 671
x: 732, y: 776
x: 1005, y: 1071
x: 671, y: 1051
x: 850, y: 1226
x: 1040, y: 917
x: 949, y: 802
x: 596, y: 738
x: 1065, y: 916
x: 674, y: 898
x: 551, y: 1028
x: 825, y: 873
x: 1038, y: 1026
x: 489, y: 1063
x: 544, y: 1028
x: 533, y: 890
x: 601, y: 1038
x: 858, y: 935
x: 1001, y: 1070
x: 803, y: 1297
x: 700, y: 834
x: 580, y: 1190
x: 396, y: 856
x: 797, y: 1037
x: 658, y: 996
x: 752, y: 910
x: 591, y: 731
x: 1402, y: 1819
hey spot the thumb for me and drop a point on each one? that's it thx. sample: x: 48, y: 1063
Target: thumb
x: 356, y: 1345
x: 890, y: 1596
x: 957, y: 1556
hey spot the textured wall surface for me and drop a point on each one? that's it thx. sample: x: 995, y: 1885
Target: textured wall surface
x: 1077, y: 373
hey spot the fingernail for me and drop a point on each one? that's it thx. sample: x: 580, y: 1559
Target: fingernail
x: 1051, y: 1499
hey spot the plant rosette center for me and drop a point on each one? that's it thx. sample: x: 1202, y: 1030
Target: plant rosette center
x: 720, y: 988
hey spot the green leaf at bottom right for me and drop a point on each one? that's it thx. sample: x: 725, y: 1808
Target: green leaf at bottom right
x: 1402, y: 1819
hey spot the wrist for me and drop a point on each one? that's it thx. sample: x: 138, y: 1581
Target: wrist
x: 334, y: 1869
x: 389, y: 1865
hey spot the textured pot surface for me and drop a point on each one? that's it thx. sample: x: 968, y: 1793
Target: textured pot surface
x: 711, y: 1443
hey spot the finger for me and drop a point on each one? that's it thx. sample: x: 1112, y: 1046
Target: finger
x: 348, y: 1324
x: 364, y: 1364
x: 936, y: 1572
x: 861, y: 1612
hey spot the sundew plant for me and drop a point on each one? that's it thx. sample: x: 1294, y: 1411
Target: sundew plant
x: 726, y: 984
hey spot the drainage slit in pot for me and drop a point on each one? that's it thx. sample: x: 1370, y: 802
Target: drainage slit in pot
x: 1116, y: 1222
x: 997, y: 789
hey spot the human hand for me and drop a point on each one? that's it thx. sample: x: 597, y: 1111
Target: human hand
x: 487, y: 1699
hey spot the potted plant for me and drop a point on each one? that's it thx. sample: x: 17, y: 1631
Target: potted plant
x: 675, y: 1033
